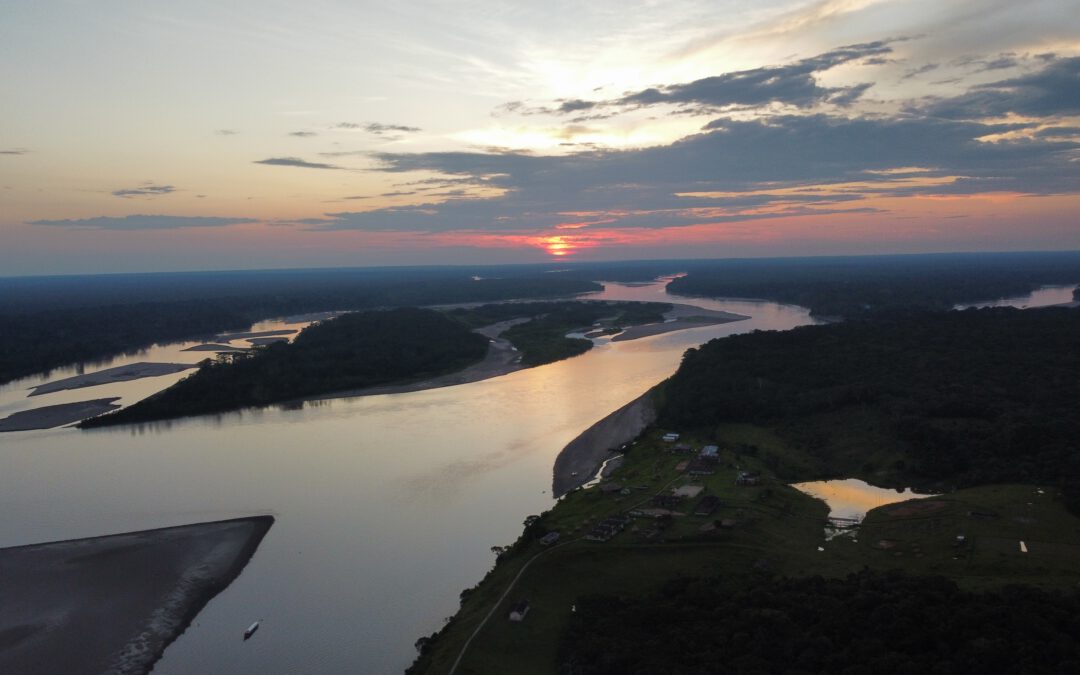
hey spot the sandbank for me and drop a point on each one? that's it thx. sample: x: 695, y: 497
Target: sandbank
x: 226, y: 337
x: 213, y: 347
x: 113, y: 604
x: 680, y: 317
x: 259, y: 341
x: 133, y: 371
x: 47, y: 417
x: 578, y: 461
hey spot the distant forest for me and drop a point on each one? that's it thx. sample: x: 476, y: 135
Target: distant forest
x: 543, y: 339
x: 50, y: 322
x: 853, y: 287
x: 974, y: 397
x: 352, y: 351
x: 866, y: 624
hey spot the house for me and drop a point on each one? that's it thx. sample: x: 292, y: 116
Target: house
x: 549, y: 538
x: 670, y: 437
x: 667, y: 501
x: 682, y: 447
x: 519, y: 610
x: 608, y: 528
x: 746, y: 478
x: 710, y: 453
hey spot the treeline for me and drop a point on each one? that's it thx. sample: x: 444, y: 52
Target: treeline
x: 855, y: 287
x: 352, y: 351
x: 975, y: 397
x: 543, y: 338
x: 116, y: 317
x: 870, y: 623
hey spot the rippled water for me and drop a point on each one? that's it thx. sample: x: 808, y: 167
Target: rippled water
x: 386, y: 506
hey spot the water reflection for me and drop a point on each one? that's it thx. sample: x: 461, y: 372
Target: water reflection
x: 1042, y: 297
x: 386, y: 506
x: 851, y: 498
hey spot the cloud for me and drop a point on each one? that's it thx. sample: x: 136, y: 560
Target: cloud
x: 378, y: 128
x: 295, y: 161
x: 921, y: 70
x: 144, y: 190
x: 1052, y: 90
x: 14, y: 151
x: 226, y: 132
x: 303, y: 134
x: 793, y: 84
x: 733, y: 170
x: 143, y: 222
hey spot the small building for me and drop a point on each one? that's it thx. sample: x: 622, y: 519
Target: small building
x: 519, y: 610
x: 682, y: 466
x: 688, y: 491
x: 671, y: 437
x: 710, y: 453
x: 667, y: 501
x: 748, y: 478
x: 549, y: 538
x: 682, y: 447
x: 608, y: 488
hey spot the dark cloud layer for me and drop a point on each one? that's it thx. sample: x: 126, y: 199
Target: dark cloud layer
x: 14, y: 151
x: 295, y: 162
x: 1053, y: 90
x: 641, y: 188
x: 143, y: 222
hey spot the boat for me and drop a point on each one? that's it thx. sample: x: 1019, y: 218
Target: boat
x: 251, y: 629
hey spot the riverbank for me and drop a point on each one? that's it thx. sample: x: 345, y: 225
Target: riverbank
x: 578, y: 462
x: 112, y: 604
x: 501, y: 359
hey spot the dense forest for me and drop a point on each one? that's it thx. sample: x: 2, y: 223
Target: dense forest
x: 869, y: 286
x: 977, y: 396
x: 118, y: 313
x: 543, y: 338
x: 352, y: 351
x: 870, y: 623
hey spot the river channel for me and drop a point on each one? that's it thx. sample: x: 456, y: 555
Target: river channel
x: 386, y: 506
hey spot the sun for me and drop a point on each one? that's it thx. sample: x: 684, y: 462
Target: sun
x: 558, y: 246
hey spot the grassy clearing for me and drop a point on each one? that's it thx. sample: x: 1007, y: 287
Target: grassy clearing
x: 770, y: 529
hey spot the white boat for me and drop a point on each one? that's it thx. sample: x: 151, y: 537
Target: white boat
x: 251, y: 629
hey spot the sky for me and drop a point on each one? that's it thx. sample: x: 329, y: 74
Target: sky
x: 190, y: 134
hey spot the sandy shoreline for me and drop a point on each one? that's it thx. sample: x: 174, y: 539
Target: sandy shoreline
x: 133, y: 371
x: 49, y: 416
x: 113, y: 604
x: 680, y: 317
x: 579, y: 460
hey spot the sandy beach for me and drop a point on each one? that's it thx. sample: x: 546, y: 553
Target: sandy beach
x: 578, y: 461
x: 113, y: 604
x: 51, y: 416
x: 134, y: 371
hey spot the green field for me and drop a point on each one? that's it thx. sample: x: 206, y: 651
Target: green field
x: 771, y: 530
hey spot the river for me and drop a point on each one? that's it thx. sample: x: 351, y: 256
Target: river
x: 386, y: 506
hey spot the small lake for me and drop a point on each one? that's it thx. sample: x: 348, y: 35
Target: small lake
x: 850, y: 499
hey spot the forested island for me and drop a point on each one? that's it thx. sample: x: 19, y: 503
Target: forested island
x: 357, y: 350
x: 49, y: 322
x: 735, y: 575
